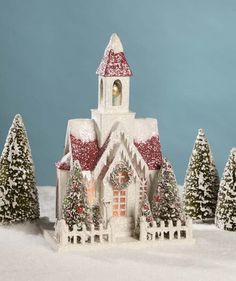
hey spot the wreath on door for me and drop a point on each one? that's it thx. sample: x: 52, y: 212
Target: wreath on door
x: 121, y: 176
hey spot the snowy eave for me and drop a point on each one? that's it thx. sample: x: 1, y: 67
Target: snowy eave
x: 64, y: 163
x: 82, y: 129
x: 145, y: 129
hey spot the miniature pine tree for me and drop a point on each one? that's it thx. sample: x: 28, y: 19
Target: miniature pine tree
x: 201, y: 182
x: 146, y: 210
x: 226, y: 204
x: 166, y: 203
x: 18, y: 192
x: 76, y: 210
x: 96, y: 215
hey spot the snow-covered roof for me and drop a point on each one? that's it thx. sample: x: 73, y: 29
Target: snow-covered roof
x: 114, y: 62
x: 64, y: 163
x: 82, y: 129
x: 146, y: 139
x: 145, y: 129
x: 82, y: 140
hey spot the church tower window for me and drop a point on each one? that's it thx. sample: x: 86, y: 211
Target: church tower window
x: 117, y: 93
x: 101, y: 91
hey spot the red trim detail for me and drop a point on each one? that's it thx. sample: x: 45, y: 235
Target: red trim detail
x: 63, y: 166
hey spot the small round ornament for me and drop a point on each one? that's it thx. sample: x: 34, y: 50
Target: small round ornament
x: 80, y: 210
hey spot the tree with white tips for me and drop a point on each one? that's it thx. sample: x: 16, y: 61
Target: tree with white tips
x: 18, y: 192
x: 226, y: 205
x: 96, y: 215
x: 201, y: 182
x: 145, y: 210
x: 76, y: 210
x: 166, y: 203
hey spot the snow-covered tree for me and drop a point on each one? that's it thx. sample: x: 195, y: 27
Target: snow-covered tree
x: 226, y: 204
x: 18, y: 192
x: 166, y: 203
x: 201, y: 182
x: 76, y: 210
x: 145, y: 209
x: 96, y: 215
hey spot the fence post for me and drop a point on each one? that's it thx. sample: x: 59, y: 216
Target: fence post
x: 143, y: 231
x: 101, y: 232
x: 170, y: 227
x: 61, y: 230
x: 189, y: 231
x: 92, y: 234
x: 83, y: 234
x: 74, y: 233
x: 162, y: 229
x: 109, y: 232
x: 155, y: 232
x: 179, y: 225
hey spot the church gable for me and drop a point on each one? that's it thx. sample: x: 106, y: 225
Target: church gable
x: 122, y: 155
x: 120, y: 142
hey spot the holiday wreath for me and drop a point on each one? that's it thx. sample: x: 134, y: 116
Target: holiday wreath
x: 121, y: 176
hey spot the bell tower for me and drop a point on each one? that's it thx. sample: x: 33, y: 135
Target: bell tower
x: 113, y: 90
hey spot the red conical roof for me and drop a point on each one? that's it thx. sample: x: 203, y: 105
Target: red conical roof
x: 114, y: 62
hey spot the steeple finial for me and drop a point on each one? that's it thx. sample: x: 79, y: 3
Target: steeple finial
x: 115, y: 44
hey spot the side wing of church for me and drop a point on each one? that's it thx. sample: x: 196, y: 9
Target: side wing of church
x: 119, y: 154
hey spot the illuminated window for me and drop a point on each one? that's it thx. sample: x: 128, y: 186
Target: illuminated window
x: 119, y: 203
x: 116, y: 93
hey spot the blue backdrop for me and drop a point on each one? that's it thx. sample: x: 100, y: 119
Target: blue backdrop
x: 182, y: 53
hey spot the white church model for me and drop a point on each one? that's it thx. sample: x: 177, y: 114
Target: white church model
x: 119, y: 156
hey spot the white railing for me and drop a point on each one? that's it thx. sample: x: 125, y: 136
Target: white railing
x: 65, y: 236
x: 165, y: 230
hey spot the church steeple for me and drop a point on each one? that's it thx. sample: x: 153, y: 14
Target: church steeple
x: 113, y: 89
x: 113, y: 78
x: 114, y: 62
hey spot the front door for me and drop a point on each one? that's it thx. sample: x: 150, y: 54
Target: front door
x: 119, y: 203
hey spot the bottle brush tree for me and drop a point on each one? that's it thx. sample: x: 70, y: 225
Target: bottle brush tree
x: 166, y: 203
x: 96, y: 216
x: 76, y: 210
x: 18, y: 192
x: 201, y: 182
x: 226, y: 204
x: 146, y: 210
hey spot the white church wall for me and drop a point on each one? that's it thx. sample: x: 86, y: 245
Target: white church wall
x: 62, y: 178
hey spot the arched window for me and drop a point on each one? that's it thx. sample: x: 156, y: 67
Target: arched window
x: 116, y: 93
x: 101, y: 91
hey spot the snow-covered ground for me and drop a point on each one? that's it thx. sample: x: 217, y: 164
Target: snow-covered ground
x: 26, y: 256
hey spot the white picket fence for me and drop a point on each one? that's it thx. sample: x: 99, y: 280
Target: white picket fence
x: 65, y: 236
x: 165, y: 231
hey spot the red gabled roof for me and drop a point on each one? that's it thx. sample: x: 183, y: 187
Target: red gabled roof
x: 84, y: 144
x: 114, y: 62
x: 151, y: 152
x: 86, y: 152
